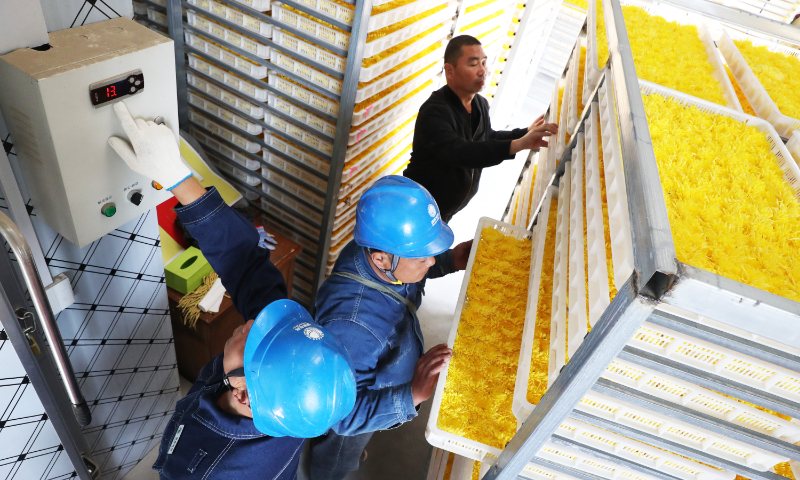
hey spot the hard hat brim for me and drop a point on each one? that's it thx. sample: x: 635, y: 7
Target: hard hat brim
x: 440, y: 244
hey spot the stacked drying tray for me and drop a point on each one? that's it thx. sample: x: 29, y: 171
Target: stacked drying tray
x: 264, y: 85
x: 152, y: 14
x: 489, y: 21
x: 581, y: 255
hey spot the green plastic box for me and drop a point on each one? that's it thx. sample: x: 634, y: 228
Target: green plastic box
x: 187, y: 272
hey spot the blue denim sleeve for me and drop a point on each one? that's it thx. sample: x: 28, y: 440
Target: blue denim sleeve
x: 375, y: 409
x: 230, y: 244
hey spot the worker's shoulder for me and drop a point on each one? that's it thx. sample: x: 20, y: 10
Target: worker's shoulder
x: 438, y: 101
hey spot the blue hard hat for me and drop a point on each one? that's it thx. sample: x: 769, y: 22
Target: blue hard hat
x: 397, y: 215
x: 300, y: 379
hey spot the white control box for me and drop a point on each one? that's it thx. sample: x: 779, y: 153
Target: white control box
x: 57, y: 104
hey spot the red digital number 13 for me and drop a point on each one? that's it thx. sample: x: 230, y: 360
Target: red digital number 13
x: 111, y: 91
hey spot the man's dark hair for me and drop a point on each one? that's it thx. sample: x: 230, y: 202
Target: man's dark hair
x: 453, y: 51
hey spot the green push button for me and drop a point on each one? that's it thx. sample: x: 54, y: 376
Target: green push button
x: 109, y: 209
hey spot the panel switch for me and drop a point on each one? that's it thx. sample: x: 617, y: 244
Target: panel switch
x: 135, y: 197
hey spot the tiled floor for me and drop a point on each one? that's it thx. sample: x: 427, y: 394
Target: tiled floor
x: 403, y: 453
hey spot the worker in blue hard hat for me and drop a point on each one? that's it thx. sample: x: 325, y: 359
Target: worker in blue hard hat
x: 281, y: 378
x: 370, y: 303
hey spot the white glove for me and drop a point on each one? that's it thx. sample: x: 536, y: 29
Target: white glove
x: 155, y: 153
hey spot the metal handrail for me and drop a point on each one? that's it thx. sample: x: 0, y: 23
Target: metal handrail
x: 30, y: 274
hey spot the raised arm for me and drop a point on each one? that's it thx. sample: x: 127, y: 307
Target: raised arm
x: 227, y: 240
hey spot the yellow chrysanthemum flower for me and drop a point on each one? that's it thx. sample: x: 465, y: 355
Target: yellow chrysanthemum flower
x: 480, y: 381
x: 779, y: 74
x: 730, y: 210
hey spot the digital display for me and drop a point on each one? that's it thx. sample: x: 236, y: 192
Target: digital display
x: 116, y: 88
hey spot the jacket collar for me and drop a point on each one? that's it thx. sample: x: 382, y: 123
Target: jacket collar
x: 451, y: 97
x: 212, y: 416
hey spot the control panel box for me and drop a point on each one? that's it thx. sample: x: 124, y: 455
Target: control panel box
x: 57, y: 103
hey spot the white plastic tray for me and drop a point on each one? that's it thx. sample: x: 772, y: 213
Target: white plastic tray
x: 303, y: 270
x: 238, y: 173
x: 599, y: 296
x: 520, y: 406
x: 308, y: 50
x: 285, y: 199
x: 295, y: 172
x: 234, y: 15
x: 575, y: 63
x: 578, y: 319
x: 227, y: 77
x: 260, y: 5
x: 226, y: 115
x: 793, y: 146
x: 388, y: 116
x: 278, y: 210
x: 367, y: 74
x: 435, y: 436
x: 523, y: 199
x: 331, y: 10
x: 366, y: 141
x: 558, y: 334
x: 293, y: 187
x: 374, y: 146
x: 693, y: 396
x: 304, y: 71
x: 460, y: 468
x: 352, y: 178
x: 755, y: 93
x: 373, y: 109
x: 304, y: 95
x: 592, y: 71
x: 301, y: 297
x: 302, y: 115
x: 139, y: 8
x: 719, y: 73
x: 298, y: 133
x: 791, y: 172
x: 224, y: 96
x: 380, y: 20
x: 224, y: 133
x: 227, y: 35
x: 563, y: 115
x: 509, y: 217
x: 640, y: 453
x: 655, y: 423
x: 351, y: 199
x: 233, y: 60
x: 158, y: 17
x: 483, y: 28
x: 212, y: 143
x: 309, y: 247
x: 395, y: 38
x: 383, y: 83
x: 720, y: 361
x: 466, y: 19
x: 616, y: 193
x: 297, y: 153
x: 324, y: 33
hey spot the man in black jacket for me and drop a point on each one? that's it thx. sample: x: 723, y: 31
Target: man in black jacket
x: 453, y: 137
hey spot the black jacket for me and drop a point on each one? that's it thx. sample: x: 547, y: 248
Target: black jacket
x: 447, y: 158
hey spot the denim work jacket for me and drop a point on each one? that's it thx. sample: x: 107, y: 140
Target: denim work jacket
x: 213, y: 443
x: 203, y: 441
x: 381, y: 335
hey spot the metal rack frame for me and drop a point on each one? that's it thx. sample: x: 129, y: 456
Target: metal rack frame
x: 660, y: 279
x: 346, y: 100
